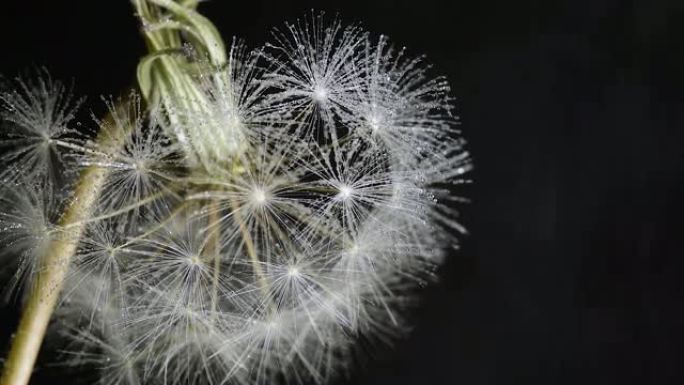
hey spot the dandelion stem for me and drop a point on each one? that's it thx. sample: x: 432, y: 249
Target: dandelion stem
x: 43, y: 295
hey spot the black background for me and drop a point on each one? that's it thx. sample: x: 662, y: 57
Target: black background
x: 573, y: 112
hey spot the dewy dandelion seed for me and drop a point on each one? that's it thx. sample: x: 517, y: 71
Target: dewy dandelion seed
x: 263, y: 211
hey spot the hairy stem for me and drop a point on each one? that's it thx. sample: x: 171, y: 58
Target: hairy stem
x: 44, y: 293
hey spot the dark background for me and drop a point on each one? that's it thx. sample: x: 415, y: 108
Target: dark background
x: 573, y: 112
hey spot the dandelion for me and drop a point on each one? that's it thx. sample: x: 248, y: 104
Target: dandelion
x: 399, y: 105
x: 264, y: 211
x: 37, y: 112
x: 139, y: 172
x: 316, y: 69
x: 101, y: 258
x: 28, y: 223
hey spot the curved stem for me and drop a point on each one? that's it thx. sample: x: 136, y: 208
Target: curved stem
x: 45, y: 292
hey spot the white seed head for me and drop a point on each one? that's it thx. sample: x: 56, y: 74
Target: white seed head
x: 260, y: 196
x: 252, y: 235
x: 345, y: 192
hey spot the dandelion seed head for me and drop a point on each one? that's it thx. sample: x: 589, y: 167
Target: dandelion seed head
x: 374, y: 122
x: 320, y: 93
x: 254, y: 233
x: 259, y: 196
x: 345, y: 192
x: 293, y: 271
x: 36, y: 114
x: 29, y: 214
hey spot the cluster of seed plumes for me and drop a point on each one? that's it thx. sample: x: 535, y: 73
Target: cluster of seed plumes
x: 251, y: 239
